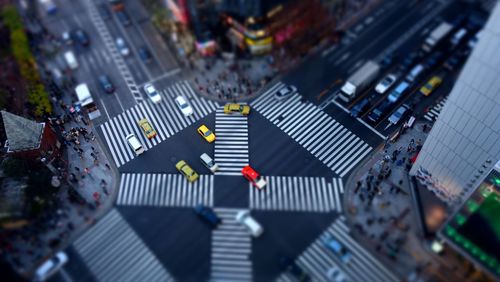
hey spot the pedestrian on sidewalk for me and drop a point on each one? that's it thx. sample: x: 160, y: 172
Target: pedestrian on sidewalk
x: 107, y: 166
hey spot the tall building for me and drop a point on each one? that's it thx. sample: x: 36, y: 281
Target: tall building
x: 463, y: 144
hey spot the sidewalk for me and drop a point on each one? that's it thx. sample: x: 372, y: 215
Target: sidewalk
x: 378, y: 204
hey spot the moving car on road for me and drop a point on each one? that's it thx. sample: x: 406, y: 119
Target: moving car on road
x: 379, y: 111
x: 334, y: 274
x: 70, y: 59
x: 144, y: 54
x: 385, y: 83
x: 361, y: 107
x: 285, y: 92
x: 209, y: 162
x: 80, y: 36
x: 134, y: 143
x: 431, y: 85
x: 208, y: 215
x: 398, y: 114
x: 206, y: 133
x: 287, y: 264
x: 237, y: 108
x: 184, y: 106
x: 147, y: 129
x: 338, y: 249
x: 250, y: 223
x: 152, y: 93
x: 122, y: 47
x: 123, y: 18
x: 106, y: 84
x: 50, y: 267
x: 251, y: 175
x: 187, y: 171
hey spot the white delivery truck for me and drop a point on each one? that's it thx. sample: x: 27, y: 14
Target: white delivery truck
x: 86, y: 102
x: 359, y: 80
x: 438, y: 34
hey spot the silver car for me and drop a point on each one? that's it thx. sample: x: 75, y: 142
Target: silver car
x: 285, y: 92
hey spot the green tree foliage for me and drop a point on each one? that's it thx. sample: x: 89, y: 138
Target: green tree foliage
x: 37, y: 95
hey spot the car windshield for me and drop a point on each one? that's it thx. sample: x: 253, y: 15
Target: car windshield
x: 183, y: 105
x: 207, y: 133
x: 387, y: 81
x: 428, y: 86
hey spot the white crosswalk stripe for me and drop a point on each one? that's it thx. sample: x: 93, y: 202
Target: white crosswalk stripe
x: 317, y: 259
x: 231, y: 143
x: 296, y: 193
x: 434, y: 112
x: 114, y: 252
x: 165, y: 117
x: 231, y: 249
x: 320, y: 134
x: 164, y: 190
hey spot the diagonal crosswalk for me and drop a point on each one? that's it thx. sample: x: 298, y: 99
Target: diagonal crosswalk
x: 317, y: 259
x: 231, y: 249
x: 114, y: 252
x: 164, y: 190
x: 320, y: 134
x: 306, y: 194
x: 231, y: 145
x: 165, y: 117
x: 434, y: 112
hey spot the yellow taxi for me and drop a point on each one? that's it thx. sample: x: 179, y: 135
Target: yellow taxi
x: 147, y: 129
x: 237, y: 108
x: 431, y: 85
x: 187, y: 171
x: 206, y: 133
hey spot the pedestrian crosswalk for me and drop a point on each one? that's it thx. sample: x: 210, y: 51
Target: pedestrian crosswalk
x: 231, y: 145
x: 114, y: 252
x: 164, y: 190
x: 332, y: 143
x: 165, y: 117
x: 318, y: 259
x: 307, y: 194
x: 231, y: 249
x: 434, y: 112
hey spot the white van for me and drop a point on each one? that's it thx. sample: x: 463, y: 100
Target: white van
x: 70, y: 58
x: 209, y: 162
x: 50, y: 267
x: 253, y: 227
x: 134, y: 143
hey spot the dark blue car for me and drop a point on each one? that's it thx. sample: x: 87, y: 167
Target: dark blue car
x: 208, y: 215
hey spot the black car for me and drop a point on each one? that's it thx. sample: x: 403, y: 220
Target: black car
x: 123, y: 18
x: 104, y: 12
x: 80, y: 36
x: 144, y: 54
x: 287, y: 264
x: 379, y: 111
x: 409, y: 60
x: 106, y: 84
x: 208, y: 215
x: 388, y: 60
x: 434, y: 59
x: 361, y: 107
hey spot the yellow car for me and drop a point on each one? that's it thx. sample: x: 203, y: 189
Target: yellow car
x: 237, y: 108
x: 187, y: 171
x: 431, y: 85
x: 206, y: 133
x: 147, y: 129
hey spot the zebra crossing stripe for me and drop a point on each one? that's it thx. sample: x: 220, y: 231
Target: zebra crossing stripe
x: 313, y: 129
x: 164, y: 190
x: 295, y: 193
x: 165, y: 117
x: 231, y: 249
x: 113, y: 251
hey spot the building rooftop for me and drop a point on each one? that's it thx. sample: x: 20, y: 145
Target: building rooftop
x: 22, y: 134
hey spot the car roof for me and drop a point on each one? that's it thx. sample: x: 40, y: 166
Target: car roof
x: 250, y: 171
x: 180, y: 99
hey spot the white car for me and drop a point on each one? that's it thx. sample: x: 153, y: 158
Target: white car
x: 385, y: 83
x: 285, y: 92
x: 152, y: 93
x: 50, y: 267
x: 209, y: 162
x: 334, y: 274
x: 184, y: 106
x: 122, y: 46
x: 250, y: 223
